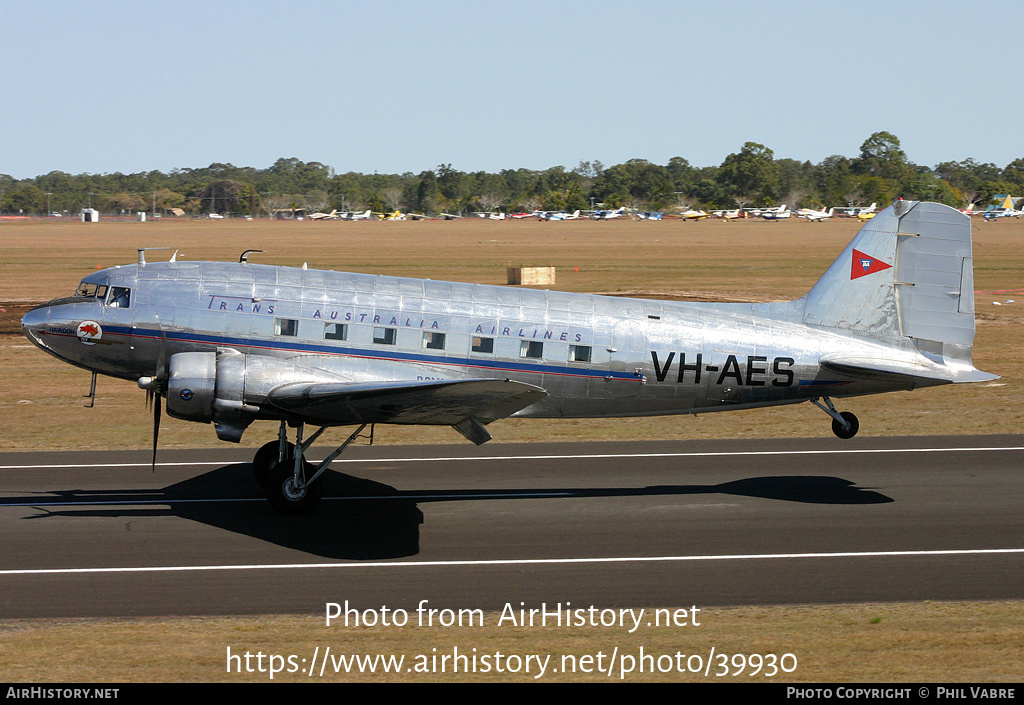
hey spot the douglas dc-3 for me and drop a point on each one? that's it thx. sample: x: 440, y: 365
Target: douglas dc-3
x: 229, y: 343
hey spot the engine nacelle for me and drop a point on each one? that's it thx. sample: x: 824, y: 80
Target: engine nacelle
x: 230, y: 388
x: 192, y: 386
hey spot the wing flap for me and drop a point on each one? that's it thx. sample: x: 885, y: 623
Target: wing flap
x: 431, y: 402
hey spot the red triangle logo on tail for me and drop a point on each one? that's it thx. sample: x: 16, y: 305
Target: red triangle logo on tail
x: 866, y: 264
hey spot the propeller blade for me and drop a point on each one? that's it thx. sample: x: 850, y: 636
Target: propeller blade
x: 156, y: 429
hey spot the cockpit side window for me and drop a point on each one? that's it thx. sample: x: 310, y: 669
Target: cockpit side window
x: 120, y: 297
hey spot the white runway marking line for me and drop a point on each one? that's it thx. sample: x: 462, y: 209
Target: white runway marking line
x: 707, y: 454
x: 514, y: 562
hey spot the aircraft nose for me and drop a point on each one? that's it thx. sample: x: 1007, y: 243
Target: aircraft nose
x: 33, y: 325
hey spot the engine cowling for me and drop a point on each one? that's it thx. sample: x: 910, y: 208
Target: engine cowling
x: 230, y: 388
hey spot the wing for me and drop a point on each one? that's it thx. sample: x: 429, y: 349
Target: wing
x: 464, y: 404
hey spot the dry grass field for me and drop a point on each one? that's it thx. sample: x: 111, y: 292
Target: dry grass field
x: 41, y: 408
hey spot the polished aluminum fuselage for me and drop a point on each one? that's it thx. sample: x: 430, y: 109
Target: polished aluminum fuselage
x: 598, y: 355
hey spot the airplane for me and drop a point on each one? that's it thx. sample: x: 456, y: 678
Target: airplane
x: 776, y: 213
x: 857, y: 211
x: 215, y: 216
x: 608, y: 215
x: 561, y: 215
x: 228, y: 343
x: 761, y: 212
x: 324, y: 216
x: 818, y: 216
x: 694, y: 215
x: 355, y: 215
x: 1006, y: 210
x: 490, y: 215
x: 726, y: 214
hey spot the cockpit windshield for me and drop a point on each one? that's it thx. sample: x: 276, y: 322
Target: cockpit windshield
x: 92, y: 290
x: 113, y: 296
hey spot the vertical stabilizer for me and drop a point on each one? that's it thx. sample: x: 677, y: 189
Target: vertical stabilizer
x: 908, y: 273
x: 857, y: 292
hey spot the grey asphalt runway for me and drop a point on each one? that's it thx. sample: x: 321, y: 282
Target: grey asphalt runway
x: 610, y: 525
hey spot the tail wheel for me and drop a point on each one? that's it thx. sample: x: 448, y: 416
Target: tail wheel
x: 288, y: 496
x: 843, y: 431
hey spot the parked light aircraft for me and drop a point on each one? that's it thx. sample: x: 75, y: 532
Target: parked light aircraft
x: 1006, y: 210
x: 818, y: 216
x: 760, y: 212
x: 857, y: 211
x: 324, y: 216
x: 777, y: 214
x: 728, y: 214
x: 561, y: 215
x: 608, y: 215
x: 230, y: 343
x: 355, y: 215
x: 695, y: 215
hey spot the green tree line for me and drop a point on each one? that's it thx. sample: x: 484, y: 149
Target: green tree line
x: 752, y: 176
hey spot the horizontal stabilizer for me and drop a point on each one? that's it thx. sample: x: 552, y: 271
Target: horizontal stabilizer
x: 433, y: 402
x: 921, y: 369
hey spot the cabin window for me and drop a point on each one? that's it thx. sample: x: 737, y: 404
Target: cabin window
x: 384, y: 336
x: 433, y: 341
x: 120, y: 297
x: 579, y: 353
x: 483, y: 345
x: 335, y: 331
x: 286, y: 326
x: 533, y: 349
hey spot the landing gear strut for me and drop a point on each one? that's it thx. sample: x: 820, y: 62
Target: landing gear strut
x: 293, y: 486
x: 844, y: 423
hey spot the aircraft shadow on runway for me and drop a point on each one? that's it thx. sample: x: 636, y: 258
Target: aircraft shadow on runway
x: 366, y: 520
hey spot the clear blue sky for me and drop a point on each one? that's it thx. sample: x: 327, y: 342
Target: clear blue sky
x: 395, y: 86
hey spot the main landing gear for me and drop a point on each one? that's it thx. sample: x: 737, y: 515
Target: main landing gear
x: 292, y: 484
x: 844, y: 423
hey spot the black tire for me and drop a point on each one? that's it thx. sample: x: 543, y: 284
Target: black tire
x: 282, y: 494
x: 844, y: 433
x: 265, y: 457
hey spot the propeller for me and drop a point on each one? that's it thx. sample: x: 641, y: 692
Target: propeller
x: 154, y: 387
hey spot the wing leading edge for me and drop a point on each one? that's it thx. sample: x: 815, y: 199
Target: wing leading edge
x: 466, y: 405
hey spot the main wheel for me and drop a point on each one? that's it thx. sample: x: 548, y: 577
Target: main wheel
x: 843, y: 432
x: 285, y: 495
x: 267, y: 455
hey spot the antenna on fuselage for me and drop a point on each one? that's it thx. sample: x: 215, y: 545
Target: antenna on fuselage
x: 142, y: 253
x: 245, y: 256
